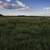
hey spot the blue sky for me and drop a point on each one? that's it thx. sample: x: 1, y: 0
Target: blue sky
x: 37, y: 4
x: 34, y: 4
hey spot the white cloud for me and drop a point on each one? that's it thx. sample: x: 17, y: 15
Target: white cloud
x: 1, y: 2
x: 26, y: 11
x: 21, y: 4
x: 45, y: 11
x: 8, y: 0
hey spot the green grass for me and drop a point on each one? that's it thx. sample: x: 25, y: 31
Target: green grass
x: 24, y: 33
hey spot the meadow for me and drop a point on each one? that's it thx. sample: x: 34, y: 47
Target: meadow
x: 24, y: 33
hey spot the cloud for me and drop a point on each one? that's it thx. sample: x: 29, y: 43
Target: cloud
x: 26, y: 11
x: 45, y: 11
x: 21, y: 4
x: 15, y: 12
x: 8, y: 5
x: 21, y: 9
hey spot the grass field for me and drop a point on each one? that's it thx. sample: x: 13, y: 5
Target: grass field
x: 24, y: 33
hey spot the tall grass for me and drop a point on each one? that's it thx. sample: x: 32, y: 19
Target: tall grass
x: 24, y: 33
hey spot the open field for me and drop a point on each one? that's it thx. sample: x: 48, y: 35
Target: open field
x: 24, y: 33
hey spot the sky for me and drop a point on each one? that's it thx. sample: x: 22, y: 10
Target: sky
x: 35, y: 4
x: 38, y: 6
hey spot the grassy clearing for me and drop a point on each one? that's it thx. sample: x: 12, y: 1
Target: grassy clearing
x: 25, y: 33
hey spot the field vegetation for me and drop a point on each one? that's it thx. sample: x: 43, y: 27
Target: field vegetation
x: 24, y: 33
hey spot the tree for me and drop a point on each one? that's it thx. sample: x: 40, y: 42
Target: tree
x: 1, y: 15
